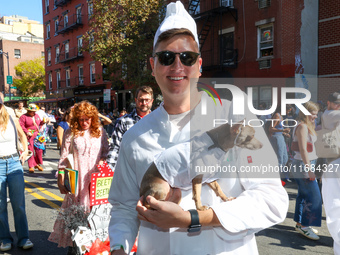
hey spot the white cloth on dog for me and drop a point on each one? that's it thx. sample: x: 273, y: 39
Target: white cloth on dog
x: 260, y: 202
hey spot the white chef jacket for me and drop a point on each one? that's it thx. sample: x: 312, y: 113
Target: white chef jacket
x: 260, y: 203
x: 331, y: 201
x: 330, y: 119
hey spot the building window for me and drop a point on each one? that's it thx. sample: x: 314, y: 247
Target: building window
x: 66, y: 20
x: 80, y: 46
x: 50, y: 81
x: 81, y: 75
x: 56, y: 23
x: 55, y: 4
x: 48, y: 31
x: 228, y: 51
x: 92, y: 73
x: 57, y: 53
x: 262, y: 94
x: 58, y: 79
x: 106, y: 74
x: 266, y: 41
x: 78, y: 12
x: 47, y: 6
x: 49, y: 56
x: 17, y: 53
x: 68, y: 77
x: 264, y: 3
x: 67, y: 50
x: 42, y: 54
x: 90, y: 9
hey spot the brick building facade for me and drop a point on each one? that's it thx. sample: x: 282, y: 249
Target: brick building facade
x: 329, y: 48
x: 21, y: 39
x: 71, y: 74
x: 259, y: 39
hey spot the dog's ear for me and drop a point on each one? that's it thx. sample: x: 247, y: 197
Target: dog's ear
x: 235, y: 128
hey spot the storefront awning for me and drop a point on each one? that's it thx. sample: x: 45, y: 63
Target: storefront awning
x: 52, y: 100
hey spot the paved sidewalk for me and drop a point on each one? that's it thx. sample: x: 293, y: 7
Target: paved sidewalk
x: 283, y: 239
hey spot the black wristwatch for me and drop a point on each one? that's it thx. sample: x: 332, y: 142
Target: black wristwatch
x: 195, y: 225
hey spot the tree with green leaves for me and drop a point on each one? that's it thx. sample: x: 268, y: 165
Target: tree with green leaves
x: 30, y: 77
x: 121, y: 38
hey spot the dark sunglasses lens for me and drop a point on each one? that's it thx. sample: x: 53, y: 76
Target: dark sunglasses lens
x: 166, y: 58
x: 188, y: 58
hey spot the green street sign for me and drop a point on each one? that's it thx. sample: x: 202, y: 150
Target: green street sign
x: 9, y: 79
x: 13, y: 87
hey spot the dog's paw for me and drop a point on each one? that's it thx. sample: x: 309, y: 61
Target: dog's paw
x: 202, y: 208
x: 225, y: 199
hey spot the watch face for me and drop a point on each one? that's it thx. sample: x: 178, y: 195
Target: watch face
x: 194, y: 228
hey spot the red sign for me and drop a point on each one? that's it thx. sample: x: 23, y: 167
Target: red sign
x: 250, y: 160
x: 100, y: 185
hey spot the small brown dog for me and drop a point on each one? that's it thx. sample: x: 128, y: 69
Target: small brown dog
x: 224, y: 137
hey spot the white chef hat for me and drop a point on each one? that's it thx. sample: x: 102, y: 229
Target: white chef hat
x: 177, y: 17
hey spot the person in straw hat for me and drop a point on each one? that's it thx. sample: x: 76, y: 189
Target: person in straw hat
x: 31, y: 124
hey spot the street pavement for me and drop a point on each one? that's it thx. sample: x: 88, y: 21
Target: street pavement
x: 43, y: 199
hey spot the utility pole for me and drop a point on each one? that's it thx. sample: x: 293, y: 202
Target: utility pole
x: 9, y: 85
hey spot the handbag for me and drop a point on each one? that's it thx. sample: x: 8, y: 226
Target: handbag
x: 40, y: 139
x: 328, y: 143
x: 295, y: 145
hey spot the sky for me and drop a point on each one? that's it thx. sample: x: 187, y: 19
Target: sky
x: 32, y: 9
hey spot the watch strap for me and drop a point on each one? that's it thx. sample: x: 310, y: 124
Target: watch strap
x: 195, y: 225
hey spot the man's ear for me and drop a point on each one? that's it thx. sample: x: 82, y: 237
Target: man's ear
x: 152, y: 64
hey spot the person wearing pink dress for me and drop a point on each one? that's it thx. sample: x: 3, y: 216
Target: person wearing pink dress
x: 90, y: 146
x: 31, y: 123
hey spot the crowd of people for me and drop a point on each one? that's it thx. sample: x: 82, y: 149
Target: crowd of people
x: 143, y: 137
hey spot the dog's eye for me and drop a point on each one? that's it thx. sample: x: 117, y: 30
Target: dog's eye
x: 249, y: 138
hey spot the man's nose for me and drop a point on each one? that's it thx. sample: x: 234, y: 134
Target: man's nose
x: 177, y: 63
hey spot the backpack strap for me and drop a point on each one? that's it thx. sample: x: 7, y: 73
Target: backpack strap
x: 16, y: 133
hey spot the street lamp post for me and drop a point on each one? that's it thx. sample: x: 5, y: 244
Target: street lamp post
x: 9, y: 85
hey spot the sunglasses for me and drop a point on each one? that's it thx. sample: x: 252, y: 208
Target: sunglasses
x: 167, y: 58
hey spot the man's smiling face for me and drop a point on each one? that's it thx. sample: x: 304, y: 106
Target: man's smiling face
x: 174, y: 79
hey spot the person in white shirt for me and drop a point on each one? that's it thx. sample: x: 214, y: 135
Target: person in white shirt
x: 331, y: 202
x: 227, y: 227
x: 330, y: 119
x: 20, y: 110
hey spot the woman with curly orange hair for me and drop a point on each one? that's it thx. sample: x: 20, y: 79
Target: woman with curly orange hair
x: 88, y: 141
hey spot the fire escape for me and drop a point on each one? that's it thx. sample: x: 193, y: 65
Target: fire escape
x: 209, y: 15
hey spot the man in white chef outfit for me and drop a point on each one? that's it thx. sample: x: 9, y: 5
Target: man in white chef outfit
x: 169, y: 228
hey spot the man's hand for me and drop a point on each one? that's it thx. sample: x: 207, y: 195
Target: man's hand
x: 163, y: 214
x: 61, y: 185
x: 311, y: 176
x: 23, y: 156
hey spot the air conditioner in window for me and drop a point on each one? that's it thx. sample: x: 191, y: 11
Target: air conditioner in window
x: 226, y: 3
x: 264, y: 3
x: 264, y: 64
